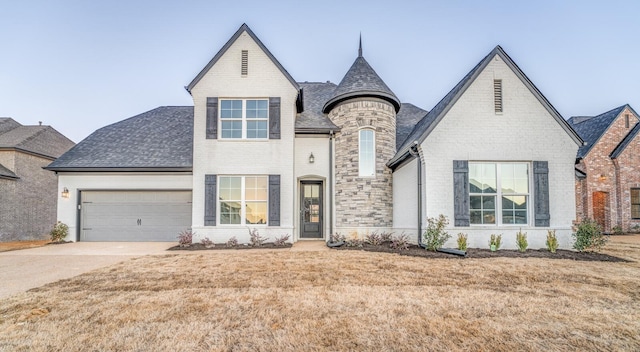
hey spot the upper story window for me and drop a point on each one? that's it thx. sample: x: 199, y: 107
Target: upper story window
x: 244, y: 118
x: 367, y: 153
x: 499, y: 193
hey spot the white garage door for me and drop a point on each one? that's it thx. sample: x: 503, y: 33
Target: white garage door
x: 134, y: 215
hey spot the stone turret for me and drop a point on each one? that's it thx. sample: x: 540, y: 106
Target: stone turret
x: 362, y: 101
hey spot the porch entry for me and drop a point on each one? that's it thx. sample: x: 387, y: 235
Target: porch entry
x: 311, y: 209
x: 601, y: 209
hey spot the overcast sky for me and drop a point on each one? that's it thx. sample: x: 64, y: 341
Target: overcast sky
x: 81, y: 65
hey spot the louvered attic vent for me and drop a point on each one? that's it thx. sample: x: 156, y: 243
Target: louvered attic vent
x: 245, y: 62
x: 497, y: 94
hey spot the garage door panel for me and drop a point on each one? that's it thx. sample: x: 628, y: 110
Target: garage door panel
x: 135, y: 215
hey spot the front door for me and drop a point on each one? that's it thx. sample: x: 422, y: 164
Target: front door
x: 311, y: 209
x: 600, y: 210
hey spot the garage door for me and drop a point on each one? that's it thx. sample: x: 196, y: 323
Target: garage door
x: 134, y: 215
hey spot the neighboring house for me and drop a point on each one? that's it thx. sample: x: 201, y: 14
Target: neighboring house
x: 608, y: 168
x: 260, y: 150
x: 28, y: 194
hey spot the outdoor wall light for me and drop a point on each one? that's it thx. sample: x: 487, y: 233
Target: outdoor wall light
x: 65, y: 193
x: 603, y: 177
x: 312, y: 159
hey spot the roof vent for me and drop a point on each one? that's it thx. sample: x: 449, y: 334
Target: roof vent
x: 245, y: 62
x: 497, y: 94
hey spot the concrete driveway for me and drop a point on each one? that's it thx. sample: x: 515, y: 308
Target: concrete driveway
x: 25, y: 269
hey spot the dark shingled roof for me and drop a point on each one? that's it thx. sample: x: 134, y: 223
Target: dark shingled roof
x: 430, y: 120
x: 42, y: 140
x: 406, y: 119
x: 159, y: 139
x: 590, y: 130
x: 7, y: 123
x: 361, y: 81
x: 6, y: 173
x: 312, y: 119
x: 625, y: 141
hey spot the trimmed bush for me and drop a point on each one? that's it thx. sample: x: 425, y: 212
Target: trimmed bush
x: 588, y: 236
x: 552, y: 241
x: 59, y: 232
x: 521, y: 241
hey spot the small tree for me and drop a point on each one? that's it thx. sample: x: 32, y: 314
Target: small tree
x: 588, y: 236
x: 59, y: 232
x: 552, y: 241
x: 435, y: 236
x: 462, y: 241
x: 521, y: 241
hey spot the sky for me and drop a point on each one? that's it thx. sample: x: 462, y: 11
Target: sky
x: 81, y: 65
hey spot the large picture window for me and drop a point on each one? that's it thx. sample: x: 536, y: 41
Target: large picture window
x: 367, y: 153
x: 243, y: 200
x: 244, y: 118
x: 635, y: 203
x: 499, y: 193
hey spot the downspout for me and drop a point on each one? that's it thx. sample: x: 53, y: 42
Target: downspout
x: 413, y: 150
x: 330, y: 183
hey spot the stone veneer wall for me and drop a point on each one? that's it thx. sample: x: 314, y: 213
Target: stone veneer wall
x: 363, y: 201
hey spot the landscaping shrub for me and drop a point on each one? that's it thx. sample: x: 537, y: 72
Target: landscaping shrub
x: 617, y: 230
x: 207, y: 243
x: 400, y: 242
x: 462, y: 241
x: 354, y: 242
x: 588, y: 236
x: 185, y: 238
x: 232, y: 242
x: 386, y: 236
x: 435, y: 236
x: 496, y: 240
x: 521, y: 241
x: 373, y: 238
x: 552, y: 241
x: 282, y: 240
x: 59, y: 232
x: 256, y: 239
x: 337, y: 237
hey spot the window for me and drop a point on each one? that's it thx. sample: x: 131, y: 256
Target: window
x: 635, y: 203
x: 244, y: 118
x: 367, y: 153
x: 243, y: 200
x: 499, y: 193
x: 497, y: 94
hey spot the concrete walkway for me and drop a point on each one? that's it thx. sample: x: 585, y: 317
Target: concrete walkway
x: 24, y: 269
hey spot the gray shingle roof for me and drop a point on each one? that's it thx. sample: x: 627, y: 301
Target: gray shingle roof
x: 625, y: 141
x: 406, y: 119
x: 312, y: 119
x: 157, y: 139
x: 42, y: 140
x: 7, y: 123
x: 430, y: 120
x: 6, y: 173
x: 590, y: 130
x: 361, y: 80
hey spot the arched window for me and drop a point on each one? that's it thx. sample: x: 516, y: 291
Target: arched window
x: 367, y: 153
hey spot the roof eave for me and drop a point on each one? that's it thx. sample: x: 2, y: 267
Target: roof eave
x: 118, y: 169
x: 364, y: 94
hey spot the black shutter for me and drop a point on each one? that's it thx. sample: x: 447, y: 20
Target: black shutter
x: 274, y: 200
x: 274, y: 118
x: 461, y: 192
x: 210, y: 200
x: 212, y: 118
x: 541, y: 193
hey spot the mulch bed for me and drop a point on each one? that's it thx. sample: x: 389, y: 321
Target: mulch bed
x: 201, y: 247
x: 416, y: 251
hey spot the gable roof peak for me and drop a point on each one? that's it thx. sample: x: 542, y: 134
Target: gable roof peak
x: 243, y: 28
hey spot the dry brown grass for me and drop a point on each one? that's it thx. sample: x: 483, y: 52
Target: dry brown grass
x: 333, y: 300
x: 15, y: 245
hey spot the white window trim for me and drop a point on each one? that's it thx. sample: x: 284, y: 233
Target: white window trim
x: 243, y: 118
x: 368, y: 128
x: 499, y: 195
x: 243, y: 202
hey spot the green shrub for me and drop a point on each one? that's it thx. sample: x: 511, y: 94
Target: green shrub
x: 588, y: 236
x: 59, y: 232
x: 462, y: 241
x: 617, y: 230
x: 496, y: 240
x: 435, y: 236
x: 521, y: 241
x: 552, y: 241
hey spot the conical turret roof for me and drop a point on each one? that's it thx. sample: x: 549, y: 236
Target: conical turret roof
x: 361, y: 81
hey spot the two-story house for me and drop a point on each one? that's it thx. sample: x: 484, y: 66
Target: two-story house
x: 261, y: 150
x: 608, y: 168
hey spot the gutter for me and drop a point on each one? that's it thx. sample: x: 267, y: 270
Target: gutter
x: 330, y: 182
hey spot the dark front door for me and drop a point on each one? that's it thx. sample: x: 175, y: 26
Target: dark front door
x: 311, y: 209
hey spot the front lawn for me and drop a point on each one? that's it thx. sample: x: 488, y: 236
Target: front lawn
x: 333, y: 300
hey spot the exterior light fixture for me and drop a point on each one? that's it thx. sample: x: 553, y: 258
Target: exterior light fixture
x: 65, y: 193
x: 312, y: 159
x: 602, y: 177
